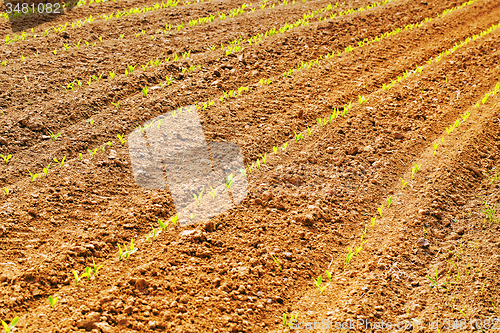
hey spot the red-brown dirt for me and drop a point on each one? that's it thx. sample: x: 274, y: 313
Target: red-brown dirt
x: 344, y: 201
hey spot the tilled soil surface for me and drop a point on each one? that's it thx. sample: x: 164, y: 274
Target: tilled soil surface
x: 347, y: 154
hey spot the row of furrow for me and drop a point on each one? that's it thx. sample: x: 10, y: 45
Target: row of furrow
x: 94, y: 51
x: 66, y: 104
x: 88, y: 296
x: 113, y: 31
x: 124, y: 10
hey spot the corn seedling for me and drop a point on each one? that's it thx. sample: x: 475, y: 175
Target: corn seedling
x: 213, y: 193
x: 162, y: 224
x: 8, y: 327
x: 198, y: 198
x: 403, y: 183
x: 174, y: 219
x: 285, y: 145
x: 229, y: 181
x: 33, y: 176
x: 92, y: 152
x: 263, y: 158
x: 145, y: 91
x: 348, y: 258
x: 77, y: 278
x: 46, y: 169
x: 6, y: 189
x: 122, y: 140
x: 55, y: 51
x: 362, y: 100
x: 329, y: 274
x: 126, y: 254
x: 489, y: 211
x: 435, y: 281
x: 298, y: 136
x: 153, y: 234
x: 380, y: 210
x: 493, y: 178
x: 6, y: 158
x: 389, y: 201
x: 52, y: 301
x: 276, y: 261
x: 435, y: 144
x: 54, y: 136
x: 373, y: 221
x: 275, y: 149
x: 61, y: 163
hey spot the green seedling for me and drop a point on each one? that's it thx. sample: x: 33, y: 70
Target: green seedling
x: 298, y: 136
x: 174, y: 219
x: 263, y: 158
x: 276, y: 261
x: 309, y: 131
x: 373, y: 221
x: 52, y: 301
x: 229, y: 181
x: 348, y: 258
x: 213, y: 193
x: 122, y: 140
x: 33, y: 176
x: 6, y: 189
x: 329, y: 274
x: 162, y: 224
x: 435, y: 281
x: 89, y: 81
x: 116, y: 105
x: 103, y: 148
x: 389, y: 201
x: 6, y: 158
x: 403, y: 183
x: 275, y: 149
x: 46, y: 169
x: 493, y: 178
x: 92, y: 152
x: 61, y: 163
x: 145, y: 91
x: 78, y: 279
x: 198, y: 198
x: 126, y: 254
x: 489, y: 211
x: 80, y: 156
x: 8, y: 327
x: 54, y: 136
x: 87, y: 272
x: 362, y: 100
x: 380, y: 210
x: 96, y: 268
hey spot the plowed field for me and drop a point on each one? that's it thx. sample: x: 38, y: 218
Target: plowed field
x: 222, y: 166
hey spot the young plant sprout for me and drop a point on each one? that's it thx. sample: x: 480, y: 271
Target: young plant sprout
x: 126, y: 254
x: 122, y: 140
x: 276, y: 261
x: 435, y: 144
x: 62, y: 161
x: 275, y: 149
x: 6, y: 158
x: 78, y: 279
x: 6, y: 189
x: 174, y: 219
x: 52, y: 301
x: 8, y: 327
x: 373, y: 221
x: 403, y: 183
x: 92, y: 152
x: 198, y: 198
x: 389, y: 201
x: 145, y: 91
x: 46, y: 169
x: 54, y: 136
x: 33, y: 176
x: 213, y: 193
x: 229, y: 181
x: 380, y: 210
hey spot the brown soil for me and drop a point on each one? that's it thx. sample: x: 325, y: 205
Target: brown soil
x: 307, y: 206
